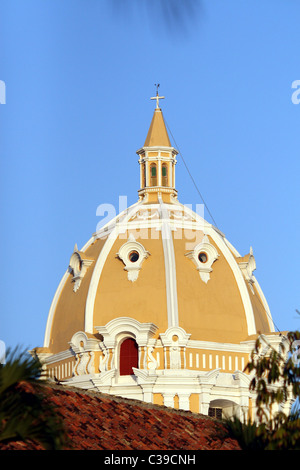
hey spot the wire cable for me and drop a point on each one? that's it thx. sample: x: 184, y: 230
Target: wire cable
x: 197, y: 189
x: 212, y: 218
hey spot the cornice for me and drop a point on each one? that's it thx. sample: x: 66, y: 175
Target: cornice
x: 243, y: 347
x: 157, y: 147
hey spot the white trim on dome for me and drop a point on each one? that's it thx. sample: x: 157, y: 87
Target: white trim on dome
x: 240, y: 282
x: 170, y: 266
x: 56, y: 297
x: 53, y: 307
x: 259, y: 289
x: 120, y: 223
x: 265, y: 305
x: 90, y: 301
x: 124, y: 325
x: 218, y: 239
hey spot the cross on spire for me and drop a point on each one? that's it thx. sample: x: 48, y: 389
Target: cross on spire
x: 157, y: 97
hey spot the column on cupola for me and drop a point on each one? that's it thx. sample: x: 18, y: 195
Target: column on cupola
x: 159, y: 179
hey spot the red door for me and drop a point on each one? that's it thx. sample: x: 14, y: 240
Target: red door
x: 128, y: 356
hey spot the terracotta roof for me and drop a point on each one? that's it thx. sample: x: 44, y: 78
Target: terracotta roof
x: 96, y: 421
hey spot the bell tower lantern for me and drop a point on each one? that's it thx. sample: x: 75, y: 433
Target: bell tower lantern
x: 157, y: 159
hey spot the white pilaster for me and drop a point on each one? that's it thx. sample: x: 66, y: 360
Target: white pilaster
x: 169, y: 400
x: 184, y: 402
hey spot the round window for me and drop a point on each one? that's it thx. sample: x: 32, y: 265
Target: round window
x: 133, y: 256
x: 202, y: 257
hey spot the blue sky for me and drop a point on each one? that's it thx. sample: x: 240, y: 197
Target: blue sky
x: 79, y: 75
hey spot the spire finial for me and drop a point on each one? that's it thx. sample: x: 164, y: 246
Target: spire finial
x: 157, y: 97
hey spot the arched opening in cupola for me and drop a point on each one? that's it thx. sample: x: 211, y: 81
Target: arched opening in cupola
x: 164, y: 175
x: 153, y: 174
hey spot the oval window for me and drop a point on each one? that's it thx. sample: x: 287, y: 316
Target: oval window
x: 133, y: 256
x: 202, y: 257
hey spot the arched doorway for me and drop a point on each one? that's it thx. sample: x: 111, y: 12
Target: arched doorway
x: 129, y: 356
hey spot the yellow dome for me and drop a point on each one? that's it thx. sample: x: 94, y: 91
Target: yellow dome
x: 168, y: 285
x: 159, y: 274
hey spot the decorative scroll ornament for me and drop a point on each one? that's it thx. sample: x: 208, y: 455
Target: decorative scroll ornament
x: 146, y: 215
x: 248, y: 265
x: 181, y: 215
x: 83, y: 359
x: 78, y: 267
x: 203, y: 256
x: 103, y: 363
x: 132, y: 254
x: 83, y: 347
x: 152, y: 362
x: 175, y: 339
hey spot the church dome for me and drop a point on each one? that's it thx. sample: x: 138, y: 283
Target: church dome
x: 162, y: 277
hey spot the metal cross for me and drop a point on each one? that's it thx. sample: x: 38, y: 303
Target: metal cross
x: 157, y: 97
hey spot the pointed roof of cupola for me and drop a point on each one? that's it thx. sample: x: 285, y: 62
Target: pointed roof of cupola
x: 157, y: 135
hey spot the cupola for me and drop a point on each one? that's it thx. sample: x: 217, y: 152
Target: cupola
x: 157, y: 159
